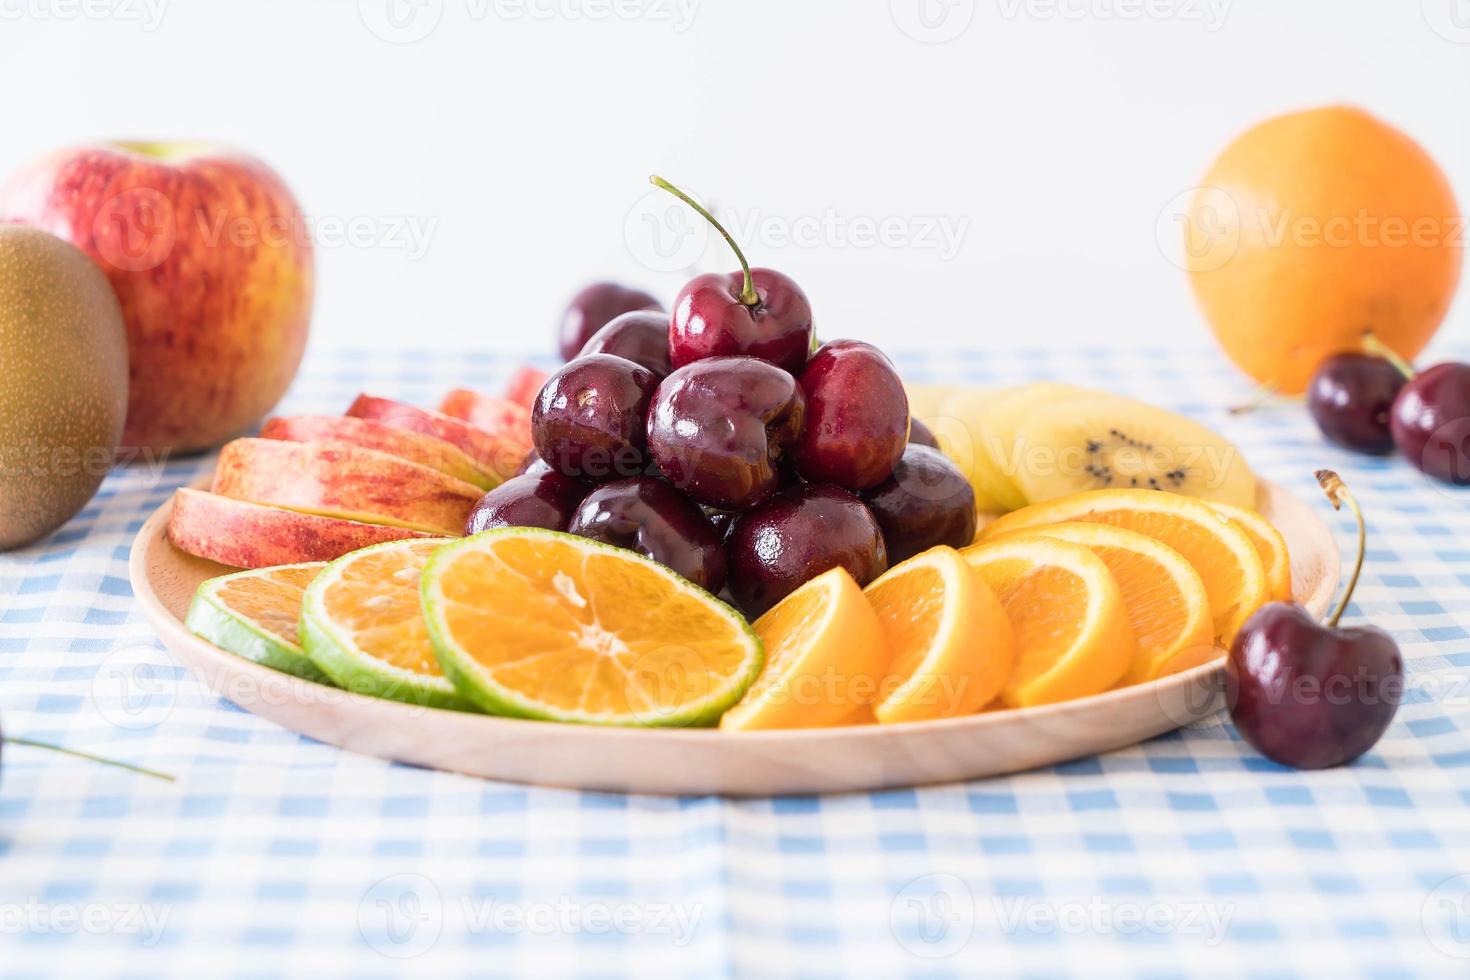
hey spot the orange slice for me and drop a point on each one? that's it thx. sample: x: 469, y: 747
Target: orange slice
x: 1227, y: 562
x: 542, y: 624
x: 825, y: 654
x: 1165, y: 597
x: 1269, y: 544
x: 361, y: 624
x: 948, y: 638
x: 1070, y: 623
x: 254, y: 615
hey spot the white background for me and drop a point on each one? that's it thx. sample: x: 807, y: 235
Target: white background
x: 490, y: 156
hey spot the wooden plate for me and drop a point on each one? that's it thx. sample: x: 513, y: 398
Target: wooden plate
x: 707, y: 761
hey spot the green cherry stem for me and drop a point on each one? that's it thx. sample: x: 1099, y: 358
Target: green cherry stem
x: 1258, y: 398
x: 32, y: 743
x: 1376, y: 347
x: 747, y: 293
x: 1339, y: 494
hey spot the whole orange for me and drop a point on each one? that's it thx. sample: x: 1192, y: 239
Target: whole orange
x: 1313, y: 228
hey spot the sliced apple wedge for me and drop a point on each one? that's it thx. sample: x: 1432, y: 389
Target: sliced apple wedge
x: 344, y: 481
x: 491, y: 452
x: 245, y: 535
x: 525, y: 385
x: 415, y: 447
x: 497, y: 416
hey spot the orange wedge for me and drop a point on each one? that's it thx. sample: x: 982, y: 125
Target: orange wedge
x: 1269, y: 544
x: 1070, y: 623
x: 825, y: 654
x: 542, y: 624
x: 947, y: 636
x: 1227, y: 562
x: 1165, y: 597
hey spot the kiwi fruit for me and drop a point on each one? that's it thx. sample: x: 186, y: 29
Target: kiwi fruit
x: 64, y: 393
x: 1098, y: 441
x: 988, y: 451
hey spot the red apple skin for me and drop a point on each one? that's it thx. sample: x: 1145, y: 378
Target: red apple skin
x: 211, y: 261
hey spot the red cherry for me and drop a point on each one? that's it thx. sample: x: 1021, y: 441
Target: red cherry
x: 755, y: 312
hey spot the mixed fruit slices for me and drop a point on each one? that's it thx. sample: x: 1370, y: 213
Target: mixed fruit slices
x: 1044, y: 440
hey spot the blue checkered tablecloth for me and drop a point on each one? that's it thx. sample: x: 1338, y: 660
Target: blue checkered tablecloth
x: 277, y: 855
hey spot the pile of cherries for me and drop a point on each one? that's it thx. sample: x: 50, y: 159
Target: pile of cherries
x: 1374, y: 402
x: 721, y: 441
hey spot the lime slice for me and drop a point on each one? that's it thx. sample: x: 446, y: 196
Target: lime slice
x: 361, y: 624
x: 253, y: 615
x: 541, y: 624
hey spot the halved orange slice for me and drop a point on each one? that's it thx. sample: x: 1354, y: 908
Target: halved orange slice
x: 542, y: 624
x: 1165, y: 597
x: 1227, y: 562
x: 948, y: 638
x: 1071, y: 626
x: 1269, y: 544
x: 825, y: 655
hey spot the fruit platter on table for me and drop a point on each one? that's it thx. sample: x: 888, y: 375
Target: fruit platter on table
x: 713, y: 553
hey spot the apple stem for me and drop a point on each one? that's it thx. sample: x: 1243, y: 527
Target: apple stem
x: 1338, y: 493
x: 1376, y: 347
x: 32, y: 743
x: 747, y: 293
x: 1262, y: 394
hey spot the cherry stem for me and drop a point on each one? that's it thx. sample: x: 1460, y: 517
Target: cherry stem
x: 1262, y: 394
x: 747, y: 293
x: 1339, y: 494
x: 1376, y: 347
x: 32, y: 743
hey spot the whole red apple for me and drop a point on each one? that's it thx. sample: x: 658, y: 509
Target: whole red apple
x: 211, y: 260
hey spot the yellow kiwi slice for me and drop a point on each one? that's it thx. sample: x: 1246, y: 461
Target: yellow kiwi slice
x: 1101, y: 441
